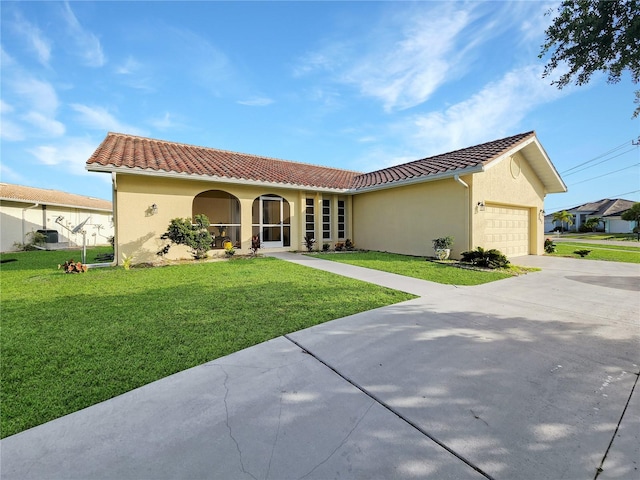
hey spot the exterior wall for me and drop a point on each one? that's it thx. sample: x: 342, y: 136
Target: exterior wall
x: 509, y: 183
x: 406, y: 219
x: 18, y: 219
x: 617, y: 225
x: 139, y: 230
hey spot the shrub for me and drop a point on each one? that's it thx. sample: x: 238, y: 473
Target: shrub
x: 194, y: 235
x: 339, y: 246
x: 33, y: 239
x: 349, y: 245
x: 442, y: 243
x: 549, y: 246
x: 309, y: 241
x: 255, y: 245
x: 582, y: 253
x: 325, y: 247
x: 485, y: 258
x: 228, y: 249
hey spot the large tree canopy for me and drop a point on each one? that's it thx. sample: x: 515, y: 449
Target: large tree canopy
x: 590, y: 36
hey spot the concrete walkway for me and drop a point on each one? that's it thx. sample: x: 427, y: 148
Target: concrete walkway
x: 529, y: 377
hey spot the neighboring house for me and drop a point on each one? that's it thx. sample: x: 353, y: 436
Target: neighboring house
x: 28, y: 209
x: 489, y: 195
x: 610, y: 210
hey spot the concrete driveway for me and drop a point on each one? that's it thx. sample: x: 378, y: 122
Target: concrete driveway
x: 530, y: 377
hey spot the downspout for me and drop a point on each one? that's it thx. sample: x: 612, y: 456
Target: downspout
x: 23, y: 219
x: 457, y: 178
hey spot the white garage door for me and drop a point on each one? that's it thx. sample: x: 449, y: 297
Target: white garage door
x: 507, y: 229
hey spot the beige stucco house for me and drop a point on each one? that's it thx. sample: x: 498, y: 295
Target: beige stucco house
x: 488, y: 195
x: 26, y: 209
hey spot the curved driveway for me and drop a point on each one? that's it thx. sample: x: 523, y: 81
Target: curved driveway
x: 529, y: 377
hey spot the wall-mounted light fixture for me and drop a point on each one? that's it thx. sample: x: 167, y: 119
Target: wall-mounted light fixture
x: 154, y: 209
x: 481, y: 206
x: 541, y: 214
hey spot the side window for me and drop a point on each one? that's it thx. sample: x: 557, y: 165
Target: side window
x: 341, y: 220
x: 326, y: 219
x: 310, y: 219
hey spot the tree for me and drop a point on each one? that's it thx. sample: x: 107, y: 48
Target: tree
x: 563, y: 217
x: 592, y: 36
x: 592, y: 223
x: 194, y: 235
x: 633, y: 215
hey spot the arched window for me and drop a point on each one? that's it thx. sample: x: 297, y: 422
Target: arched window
x: 272, y: 221
x: 223, y: 211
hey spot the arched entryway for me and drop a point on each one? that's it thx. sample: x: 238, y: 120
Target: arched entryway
x: 223, y: 211
x: 272, y: 221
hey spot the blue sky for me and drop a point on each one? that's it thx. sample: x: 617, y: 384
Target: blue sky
x: 354, y: 85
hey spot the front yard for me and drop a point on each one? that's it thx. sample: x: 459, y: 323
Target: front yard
x: 610, y: 253
x: 71, y: 340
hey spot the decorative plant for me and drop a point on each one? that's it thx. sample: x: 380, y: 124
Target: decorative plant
x: 549, y: 246
x: 442, y: 243
x: 255, y: 244
x: 126, y: 261
x: 194, y: 235
x: 70, y: 266
x: 325, y: 247
x: 592, y: 223
x: 35, y: 239
x: 485, y: 258
x: 228, y: 249
x: 349, y: 245
x: 309, y: 241
x: 582, y: 253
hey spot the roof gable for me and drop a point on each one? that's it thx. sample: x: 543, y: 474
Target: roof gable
x: 19, y: 193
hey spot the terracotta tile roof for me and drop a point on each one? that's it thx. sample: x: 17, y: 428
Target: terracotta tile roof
x: 441, y: 164
x: 119, y: 151
x: 605, y: 207
x: 21, y: 193
x: 126, y: 151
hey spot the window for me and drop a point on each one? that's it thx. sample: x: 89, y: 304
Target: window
x: 341, y: 220
x: 326, y: 219
x: 310, y: 219
x: 223, y: 211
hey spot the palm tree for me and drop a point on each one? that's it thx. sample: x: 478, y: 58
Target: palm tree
x: 563, y: 217
x: 593, y: 223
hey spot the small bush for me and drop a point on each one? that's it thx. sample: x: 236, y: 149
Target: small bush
x: 325, y: 247
x: 309, y: 242
x: 349, y: 245
x: 339, y: 246
x: 228, y: 249
x: 485, y: 258
x: 549, y: 246
x: 582, y: 253
x: 255, y: 245
x: 34, y: 239
x: 194, y: 235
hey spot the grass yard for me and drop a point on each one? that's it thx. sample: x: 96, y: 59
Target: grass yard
x: 415, y: 267
x: 632, y: 237
x: 71, y: 340
x: 610, y: 253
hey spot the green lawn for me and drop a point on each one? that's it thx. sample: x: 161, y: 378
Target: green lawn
x: 415, y: 267
x: 632, y: 237
x: 611, y: 253
x: 71, y: 340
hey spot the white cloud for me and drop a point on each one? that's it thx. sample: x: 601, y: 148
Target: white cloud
x: 100, y: 119
x: 405, y: 58
x: 129, y: 67
x: 35, y: 39
x: 88, y: 44
x: 9, y: 174
x: 256, y: 102
x: 166, y: 122
x: 39, y: 94
x: 49, y: 126
x: 491, y: 113
x: 70, y: 154
x: 11, y: 131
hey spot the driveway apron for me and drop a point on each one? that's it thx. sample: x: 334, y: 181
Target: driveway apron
x: 529, y: 377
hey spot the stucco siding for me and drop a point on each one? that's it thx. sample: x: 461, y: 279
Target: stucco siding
x: 139, y: 230
x: 19, y: 218
x: 508, y: 184
x: 406, y: 219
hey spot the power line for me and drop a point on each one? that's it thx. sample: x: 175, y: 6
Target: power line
x: 598, y: 157
x: 604, y: 174
x: 615, y: 195
x: 602, y: 161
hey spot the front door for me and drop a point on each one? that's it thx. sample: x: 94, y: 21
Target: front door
x: 271, y: 225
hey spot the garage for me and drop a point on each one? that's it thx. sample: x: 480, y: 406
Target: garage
x: 507, y: 229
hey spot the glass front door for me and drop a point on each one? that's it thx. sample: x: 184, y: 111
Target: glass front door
x: 271, y: 222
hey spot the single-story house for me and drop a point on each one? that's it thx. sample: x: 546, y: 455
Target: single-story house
x: 55, y: 214
x: 490, y: 195
x: 609, y: 210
